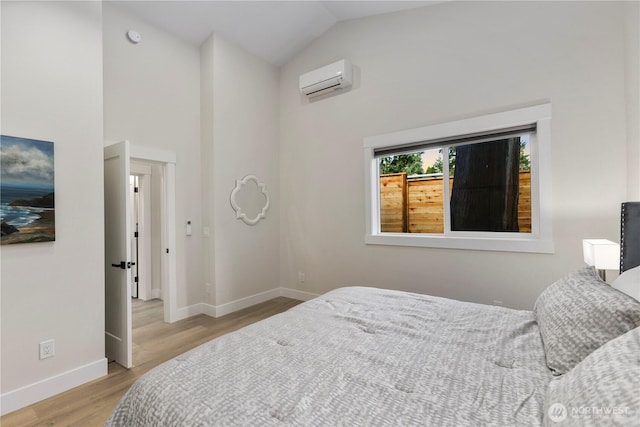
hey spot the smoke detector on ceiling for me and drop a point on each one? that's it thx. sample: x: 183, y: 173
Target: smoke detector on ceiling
x: 134, y: 36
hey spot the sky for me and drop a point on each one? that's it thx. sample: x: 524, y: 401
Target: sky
x: 26, y: 161
x: 430, y: 156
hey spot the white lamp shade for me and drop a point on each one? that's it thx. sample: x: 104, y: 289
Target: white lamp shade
x: 601, y: 253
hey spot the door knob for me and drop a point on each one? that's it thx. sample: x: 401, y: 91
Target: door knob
x: 123, y: 265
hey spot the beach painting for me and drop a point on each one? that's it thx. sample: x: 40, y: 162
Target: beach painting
x: 27, y: 208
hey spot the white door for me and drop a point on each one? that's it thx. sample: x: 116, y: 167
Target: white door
x: 117, y: 213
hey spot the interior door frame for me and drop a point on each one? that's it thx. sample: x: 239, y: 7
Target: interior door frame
x: 142, y: 171
x: 168, y: 222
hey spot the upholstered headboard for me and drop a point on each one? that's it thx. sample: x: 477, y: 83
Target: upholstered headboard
x: 630, y: 236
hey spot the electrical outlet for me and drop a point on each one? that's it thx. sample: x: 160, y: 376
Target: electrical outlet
x: 47, y: 349
x: 208, y: 288
x: 497, y: 302
x: 301, y: 277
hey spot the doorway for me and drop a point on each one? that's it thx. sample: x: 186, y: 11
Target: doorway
x: 145, y: 239
x: 147, y: 304
x: 120, y: 159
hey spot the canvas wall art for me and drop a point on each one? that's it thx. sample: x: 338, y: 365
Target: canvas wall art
x: 27, y: 208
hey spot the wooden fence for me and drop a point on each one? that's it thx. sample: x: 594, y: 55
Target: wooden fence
x: 415, y: 205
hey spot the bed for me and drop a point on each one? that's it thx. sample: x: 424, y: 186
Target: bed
x: 374, y: 357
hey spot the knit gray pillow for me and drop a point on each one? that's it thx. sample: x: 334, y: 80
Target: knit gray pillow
x: 603, y: 389
x: 578, y: 314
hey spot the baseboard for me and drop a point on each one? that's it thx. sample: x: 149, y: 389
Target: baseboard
x: 156, y: 293
x: 239, y: 304
x: 296, y: 294
x: 192, y: 310
x: 208, y: 309
x: 32, y: 393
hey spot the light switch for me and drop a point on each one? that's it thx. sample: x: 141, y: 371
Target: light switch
x: 189, y: 232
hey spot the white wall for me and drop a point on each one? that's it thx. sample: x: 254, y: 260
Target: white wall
x: 240, y: 120
x: 440, y: 63
x: 632, y: 83
x: 152, y: 98
x: 52, y: 90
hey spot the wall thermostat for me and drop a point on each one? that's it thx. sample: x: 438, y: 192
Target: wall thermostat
x: 134, y: 36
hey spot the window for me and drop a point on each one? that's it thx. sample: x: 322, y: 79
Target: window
x: 480, y: 183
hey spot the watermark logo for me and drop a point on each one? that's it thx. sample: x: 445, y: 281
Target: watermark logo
x: 557, y: 412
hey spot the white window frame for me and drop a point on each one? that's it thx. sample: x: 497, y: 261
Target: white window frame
x: 538, y: 241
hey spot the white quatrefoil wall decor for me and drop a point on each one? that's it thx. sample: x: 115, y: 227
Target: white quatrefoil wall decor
x: 250, y: 200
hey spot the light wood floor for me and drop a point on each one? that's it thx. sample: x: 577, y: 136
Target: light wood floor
x: 153, y: 343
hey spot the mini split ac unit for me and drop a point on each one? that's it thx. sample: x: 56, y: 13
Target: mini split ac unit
x: 326, y: 79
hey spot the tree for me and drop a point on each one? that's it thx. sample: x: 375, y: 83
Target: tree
x: 438, y: 166
x: 525, y: 162
x: 409, y: 163
x: 485, y: 186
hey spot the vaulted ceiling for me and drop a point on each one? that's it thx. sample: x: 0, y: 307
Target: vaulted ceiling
x: 272, y: 30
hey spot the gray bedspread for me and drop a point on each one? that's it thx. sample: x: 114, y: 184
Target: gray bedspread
x: 359, y: 357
